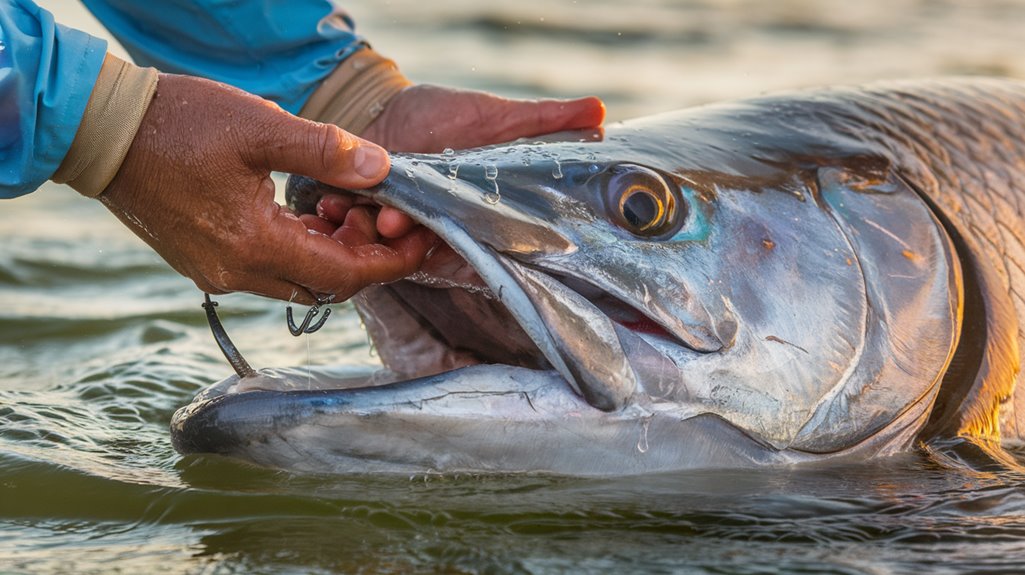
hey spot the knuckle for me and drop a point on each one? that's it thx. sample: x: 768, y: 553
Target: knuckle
x: 328, y: 140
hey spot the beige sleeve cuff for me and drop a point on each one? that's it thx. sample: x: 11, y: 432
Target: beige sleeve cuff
x: 119, y: 100
x: 355, y: 94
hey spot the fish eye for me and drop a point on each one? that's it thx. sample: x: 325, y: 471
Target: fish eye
x: 641, y: 209
x: 640, y: 201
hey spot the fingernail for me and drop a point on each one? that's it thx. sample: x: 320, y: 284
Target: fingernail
x: 370, y: 161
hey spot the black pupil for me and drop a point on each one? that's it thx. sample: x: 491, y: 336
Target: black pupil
x: 640, y: 210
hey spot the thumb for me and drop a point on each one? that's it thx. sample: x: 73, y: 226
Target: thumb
x: 324, y: 152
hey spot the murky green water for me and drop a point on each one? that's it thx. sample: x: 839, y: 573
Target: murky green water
x: 100, y: 342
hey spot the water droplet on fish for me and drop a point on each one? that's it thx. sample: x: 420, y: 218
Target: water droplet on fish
x: 453, y: 170
x: 593, y: 169
x: 491, y: 175
x: 448, y: 152
x: 557, y: 170
x: 412, y: 176
x: 642, y: 441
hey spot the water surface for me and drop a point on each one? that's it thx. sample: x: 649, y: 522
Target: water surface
x: 100, y: 342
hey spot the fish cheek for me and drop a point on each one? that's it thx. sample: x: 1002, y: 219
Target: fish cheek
x: 779, y: 266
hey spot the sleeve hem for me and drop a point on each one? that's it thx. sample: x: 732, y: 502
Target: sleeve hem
x: 119, y: 100
x: 356, y: 92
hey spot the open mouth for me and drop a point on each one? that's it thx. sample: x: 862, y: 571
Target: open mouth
x: 447, y: 316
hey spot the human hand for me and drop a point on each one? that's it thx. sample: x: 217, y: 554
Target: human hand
x: 196, y: 187
x: 427, y: 119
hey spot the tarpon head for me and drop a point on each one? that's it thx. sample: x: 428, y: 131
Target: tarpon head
x: 752, y: 289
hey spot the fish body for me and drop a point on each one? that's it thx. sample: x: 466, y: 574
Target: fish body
x: 830, y: 274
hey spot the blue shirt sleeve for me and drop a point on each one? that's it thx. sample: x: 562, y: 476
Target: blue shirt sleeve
x: 278, y: 49
x: 47, y: 73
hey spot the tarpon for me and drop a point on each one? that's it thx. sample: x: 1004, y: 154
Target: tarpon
x: 828, y: 274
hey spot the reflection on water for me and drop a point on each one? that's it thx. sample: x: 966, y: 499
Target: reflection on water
x: 100, y: 342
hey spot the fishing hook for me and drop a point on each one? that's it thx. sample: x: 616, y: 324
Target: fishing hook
x: 305, y: 326
x: 231, y: 353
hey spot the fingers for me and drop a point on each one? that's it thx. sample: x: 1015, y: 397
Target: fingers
x: 334, y: 207
x: 358, y: 228
x: 391, y: 223
x: 526, y: 118
x: 321, y: 151
x: 325, y: 265
x: 556, y: 115
x: 317, y: 224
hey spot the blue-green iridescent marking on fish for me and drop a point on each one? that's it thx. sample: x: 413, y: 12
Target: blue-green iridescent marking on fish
x: 699, y: 229
x: 830, y: 274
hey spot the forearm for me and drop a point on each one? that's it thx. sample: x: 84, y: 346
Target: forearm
x: 47, y: 72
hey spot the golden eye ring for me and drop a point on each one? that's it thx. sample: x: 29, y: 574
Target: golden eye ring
x: 643, y: 209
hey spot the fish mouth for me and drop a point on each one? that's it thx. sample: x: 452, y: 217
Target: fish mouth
x: 475, y: 302
x: 430, y: 323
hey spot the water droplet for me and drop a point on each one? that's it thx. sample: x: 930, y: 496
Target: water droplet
x: 412, y: 176
x: 453, y: 170
x: 448, y: 152
x: 491, y: 175
x: 557, y: 170
x: 642, y: 441
x: 593, y: 169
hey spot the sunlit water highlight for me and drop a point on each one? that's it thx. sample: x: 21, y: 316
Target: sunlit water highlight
x: 100, y: 342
